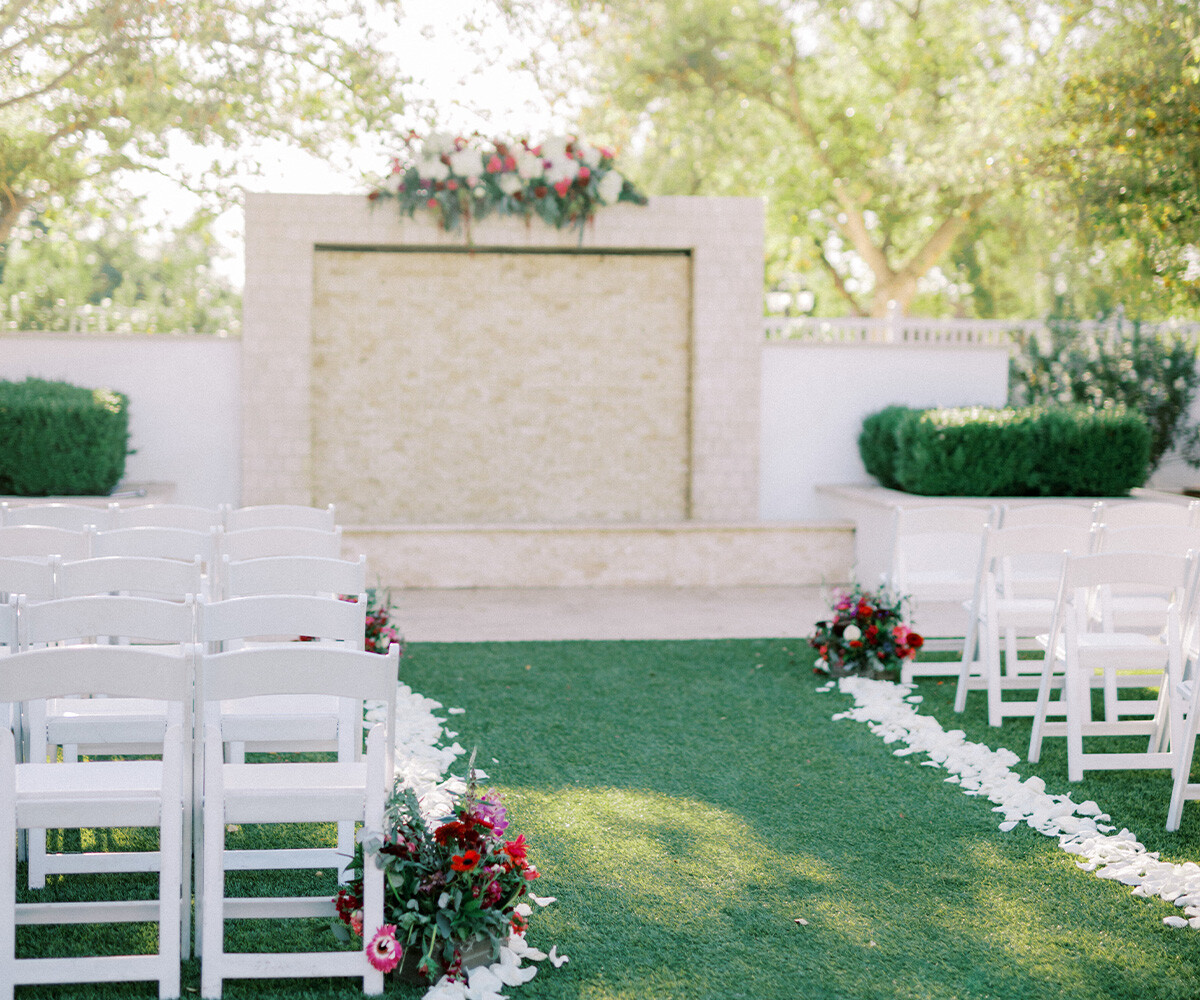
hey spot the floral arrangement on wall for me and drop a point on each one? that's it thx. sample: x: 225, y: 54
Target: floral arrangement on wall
x: 563, y: 180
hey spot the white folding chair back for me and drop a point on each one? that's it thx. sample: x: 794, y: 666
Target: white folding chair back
x: 280, y: 515
x: 258, y: 543
x: 40, y: 541
x: 166, y: 515
x: 89, y: 795
x: 135, y: 724
x: 1014, y: 515
x: 1127, y: 513
x: 1021, y: 569
x: 1119, y: 609
x: 293, y: 575
x: 291, y: 721
x: 143, y: 576
x: 164, y: 543
x: 1185, y: 718
x: 35, y: 578
x: 935, y: 563
x: 1092, y: 656
x: 70, y: 516
x: 342, y: 791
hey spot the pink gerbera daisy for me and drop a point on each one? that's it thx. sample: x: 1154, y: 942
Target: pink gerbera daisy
x: 384, y: 952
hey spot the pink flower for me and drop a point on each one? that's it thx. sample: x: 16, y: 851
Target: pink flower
x: 584, y: 174
x: 356, y: 922
x: 384, y: 953
x: 495, y: 165
x: 563, y: 186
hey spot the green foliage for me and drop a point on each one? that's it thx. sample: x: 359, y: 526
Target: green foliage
x: 61, y: 439
x: 68, y: 270
x: 877, y: 443
x: 1034, y: 451
x: 96, y: 88
x: 1123, y: 138
x: 1151, y: 372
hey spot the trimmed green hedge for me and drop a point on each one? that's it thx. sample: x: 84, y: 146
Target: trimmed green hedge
x: 1033, y: 451
x: 877, y: 444
x: 58, y: 439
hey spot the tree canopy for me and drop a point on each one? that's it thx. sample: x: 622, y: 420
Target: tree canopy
x: 93, y: 88
x: 893, y: 136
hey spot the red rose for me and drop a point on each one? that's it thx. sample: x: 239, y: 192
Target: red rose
x: 915, y: 640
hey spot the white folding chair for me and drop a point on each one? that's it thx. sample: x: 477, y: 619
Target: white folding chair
x: 258, y: 543
x: 313, y: 575
x: 1112, y: 658
x: 1127, y: 513
x: 35, y: 578
x: 1015, y: 515
x: 289, y: 793
x: 1021, y: 568
x: 164, y: 543
x: 70, y: 516
x: 935, y: 563
x: 99, y: 794
x: 166, y: 515
x: 141, y: 576
x: 40, y: 541
x: 280, y: 515
x: 295, y: 721
x: 95, y: 726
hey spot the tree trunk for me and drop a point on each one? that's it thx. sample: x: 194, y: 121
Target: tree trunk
x: 11, y: 207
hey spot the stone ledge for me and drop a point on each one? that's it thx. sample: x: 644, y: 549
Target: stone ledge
x: 684, y: 554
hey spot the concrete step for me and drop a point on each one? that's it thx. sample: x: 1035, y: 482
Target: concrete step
x: 685, y: 554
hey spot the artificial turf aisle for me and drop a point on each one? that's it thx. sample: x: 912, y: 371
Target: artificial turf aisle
x: 689, y: 802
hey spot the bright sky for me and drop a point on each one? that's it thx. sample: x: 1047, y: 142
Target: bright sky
x: 435, y: 54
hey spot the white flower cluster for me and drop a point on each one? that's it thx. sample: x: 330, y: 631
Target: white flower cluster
x: 1082, y: 828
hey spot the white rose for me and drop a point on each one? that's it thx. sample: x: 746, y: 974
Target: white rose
x: 433, y: 170
x: 467, y: 163
x: 562, y: 170
x: 610, y: 186
x: 555, y: 148
x: 510, y: 184
x: 529, y: 165
x: 437, y: 143
x: 591, y: 154
x: 851, y: 632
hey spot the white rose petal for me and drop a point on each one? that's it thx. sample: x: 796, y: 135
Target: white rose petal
x: 510, y: 184
x: 557, y: 960
x: 852, y: 632
x: 555, y: 148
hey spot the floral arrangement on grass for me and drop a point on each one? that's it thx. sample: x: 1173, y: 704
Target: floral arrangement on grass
x: 866, y: 634
x: 450, y: 887
x: 562, y: 180
x: 381, y: 629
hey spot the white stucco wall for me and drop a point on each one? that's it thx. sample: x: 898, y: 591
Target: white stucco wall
x: 184, y: 409
x: 814, y: 398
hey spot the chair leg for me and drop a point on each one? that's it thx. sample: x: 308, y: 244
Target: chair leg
x: 8, y: 866
x: 971, y: 650
x: 170, y: 875
x: 1075, y: 691
x: 377, y: 784
x: 1042, y: 706
x: 212, y: 929
x: 994, y: 677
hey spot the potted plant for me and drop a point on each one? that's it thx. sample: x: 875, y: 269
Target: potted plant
x: 865, y: 635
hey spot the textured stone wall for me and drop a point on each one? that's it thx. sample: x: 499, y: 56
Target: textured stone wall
x: 501, y: 387
x: 723, y: 238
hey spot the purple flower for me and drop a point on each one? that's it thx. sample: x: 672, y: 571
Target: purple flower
x: 490, y: 808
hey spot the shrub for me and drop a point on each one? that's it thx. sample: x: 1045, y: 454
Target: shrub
x: 1034, y: 451
x: 61, y: 439
x: 1151, y: 372
x: 877, y: 443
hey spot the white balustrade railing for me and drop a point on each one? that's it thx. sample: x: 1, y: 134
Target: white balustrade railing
x: 859, y: 330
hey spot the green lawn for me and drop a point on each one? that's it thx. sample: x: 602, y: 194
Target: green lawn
x: 689, y: 802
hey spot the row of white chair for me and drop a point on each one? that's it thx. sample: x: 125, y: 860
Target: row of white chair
x: 77, y: 516
x: 211, y: 546
x: 97, y: 794
x: 936, y: 555
x: 154, y: 576
x: 1111, y: 606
